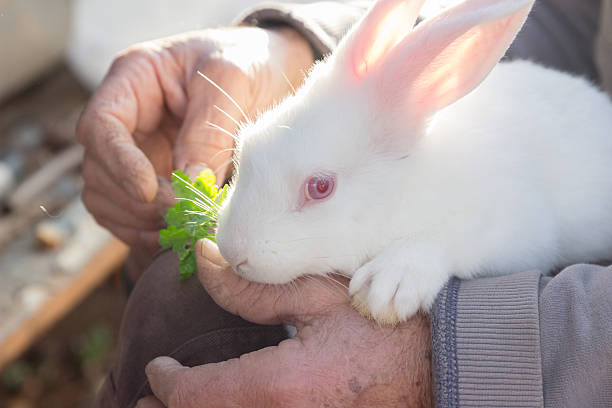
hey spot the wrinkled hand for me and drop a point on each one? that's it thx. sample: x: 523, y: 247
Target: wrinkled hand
x: 153, y: 113
x: 337, y: 359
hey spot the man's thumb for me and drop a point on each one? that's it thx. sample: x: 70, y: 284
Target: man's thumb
x: 163, y: 375
x: 208, y: 132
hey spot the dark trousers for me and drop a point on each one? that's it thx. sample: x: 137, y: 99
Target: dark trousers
x: 165, y: 317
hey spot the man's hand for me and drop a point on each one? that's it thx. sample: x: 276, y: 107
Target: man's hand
x: 337, y: 359
x: 154, y: 113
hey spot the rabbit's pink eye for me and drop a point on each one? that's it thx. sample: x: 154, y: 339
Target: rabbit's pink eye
x: 319, y: 187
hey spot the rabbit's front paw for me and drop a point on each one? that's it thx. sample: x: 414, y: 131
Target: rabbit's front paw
x: 396, y: 284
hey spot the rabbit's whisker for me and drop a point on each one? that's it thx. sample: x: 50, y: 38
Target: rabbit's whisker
x: 206, y: 203
x: 206, y: 213
x: 196, y: 191
x: 229, y: 149
x: 220, y: 129
x: 288, y: 83
x: 213, y: 83
x: 230, y: 117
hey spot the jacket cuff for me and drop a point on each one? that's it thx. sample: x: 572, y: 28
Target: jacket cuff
x: 486, y: 342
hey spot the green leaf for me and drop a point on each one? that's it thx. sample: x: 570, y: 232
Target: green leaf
x: 187, y: 267
x: 180, y: 183
x: 202, y: 232
x: 176, y: 239
x: 176, y: 217
x: 192, y: 218
x: 169, y: 236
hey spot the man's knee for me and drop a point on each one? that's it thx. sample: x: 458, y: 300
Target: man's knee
x: 178, y: 319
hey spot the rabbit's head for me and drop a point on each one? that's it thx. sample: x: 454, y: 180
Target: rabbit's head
x: 313, y: 192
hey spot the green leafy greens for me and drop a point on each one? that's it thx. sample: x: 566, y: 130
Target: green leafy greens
x: 192, y: 218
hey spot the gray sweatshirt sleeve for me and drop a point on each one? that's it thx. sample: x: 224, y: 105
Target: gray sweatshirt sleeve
x: 563, y: 34
x: 321, y: 23
x: 525, y: 340
x: 603, y: 51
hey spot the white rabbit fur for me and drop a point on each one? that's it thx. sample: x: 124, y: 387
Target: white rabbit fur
x: 515, y: 175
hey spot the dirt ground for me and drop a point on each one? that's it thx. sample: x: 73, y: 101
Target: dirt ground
x: 66, y: 366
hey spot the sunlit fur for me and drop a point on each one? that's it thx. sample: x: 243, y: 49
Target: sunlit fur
x: 516, y: 175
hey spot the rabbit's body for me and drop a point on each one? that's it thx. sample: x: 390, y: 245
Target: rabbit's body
x: 522, y: 188
x: 398, y: 165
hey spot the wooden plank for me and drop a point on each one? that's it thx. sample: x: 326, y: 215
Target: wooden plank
x: 106, y: 260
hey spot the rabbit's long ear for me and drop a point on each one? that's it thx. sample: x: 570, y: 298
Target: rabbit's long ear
x: 385, y: 25
x: 447, y: 56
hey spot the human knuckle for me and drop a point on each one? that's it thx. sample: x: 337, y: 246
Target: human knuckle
x: 131, y: 55
x: 93, y: 119
x: 218, y: 64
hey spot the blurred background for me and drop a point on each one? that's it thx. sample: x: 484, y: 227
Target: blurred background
x: 61, y: 295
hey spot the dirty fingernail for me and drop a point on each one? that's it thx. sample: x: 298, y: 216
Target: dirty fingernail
x: 210, y: 252
x: 206, y: 247
x: 149, y: 238
x: 164, y: 198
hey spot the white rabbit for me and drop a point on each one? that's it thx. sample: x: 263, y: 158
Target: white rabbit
x: 398, y: 165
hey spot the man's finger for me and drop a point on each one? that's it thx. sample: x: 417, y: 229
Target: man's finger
x: 107, y: 207
x: 131, y: 236
x: 261, y: 303
x: 164, y: 377
x: 224, y: 286
x: 149, y: 402
x: 130, y: 99
x: 210, y: 253
x: 110, y: 141
x: 98, y: 179
x: 165, y: 196
x: 263, y: 378
x: 211, y: 120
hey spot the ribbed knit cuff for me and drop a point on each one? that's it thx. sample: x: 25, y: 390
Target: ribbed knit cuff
x: 486, y: 343
x: 444, y: 346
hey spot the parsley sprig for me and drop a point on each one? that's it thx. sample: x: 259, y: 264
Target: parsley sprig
x: 192, y: 218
